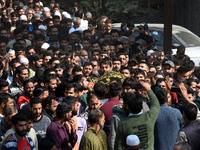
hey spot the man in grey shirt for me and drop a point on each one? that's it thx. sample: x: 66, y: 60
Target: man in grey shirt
x: 40, y: 122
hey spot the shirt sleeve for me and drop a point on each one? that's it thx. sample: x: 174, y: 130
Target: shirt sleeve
x: 85, y: 144
x: 181, y: 137
x: 119, y: 141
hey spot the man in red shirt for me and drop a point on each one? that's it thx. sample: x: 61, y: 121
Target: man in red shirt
x: 20, y: 140
x: 115, y: 90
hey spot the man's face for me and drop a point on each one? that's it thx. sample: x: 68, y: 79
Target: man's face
x: 144, y: 67
x: 30, y: 53
x: 127, y: 89
x: 21, y: 128
x: 57, y: 22
x: 96, y: 65
x: 46, y: 60
x: 108, y: 26
x: 63, y: 43
x: 112, y: 51
x: 93, y: 103
x: 36, y: 110
x: 117, y: 65
x: 102, y: 121
x: 126, y: 44
x: 168, y: 68
x: 4, y: 33
x: 10, y: 102
x: 18, y: 36
x: 75, y: 108
x: 126, y: 72
x: 54, y: 106
x: 184, y: 76
x: 44, y: 95
x: 87, y: 70
x: 86, y: 44
x: 123, y: 60
x: 114, y: 37
x: 180, y: 54
x: 29, y: 125
x: 52, y: 85
x: 54, y: 32
x: 139, y: 77
x: 29, y: 88
x: 59, y: 71
x: 69, y: 25
x: 162, y: 85
x: 95, y: 55
x: 4, y: 89
x: 68, y: 116
x: 96, y: 46
x: 23, y: 75
x: 2, y: 48
x: 39, y: 63
x: 105, y: 68
x: 70, y: 92
x: 91, y: 27
x: 193, y: 86
x: 55, y: 62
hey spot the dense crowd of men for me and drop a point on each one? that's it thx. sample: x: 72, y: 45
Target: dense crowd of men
x: 68, y: 80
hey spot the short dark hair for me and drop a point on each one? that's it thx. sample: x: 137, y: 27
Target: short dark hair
x: 99, y: 89
x: 94, y: 116
x: 63, y: 108
x: 128, y: 82
x: 26, y: 82
x: 4, y: 97
x: 49, y: 77
x: 115, y: 88
x: 48, y: 100
x: 90, y: 96
x: 18, y: 117
x: 161, y: 95
x: 35, y: 100
x: 3, y: 83
x: 77, y: 68
x: 39, y: 90
x: 190, y: 111
x: 70, y: 100
x: 134, y: 102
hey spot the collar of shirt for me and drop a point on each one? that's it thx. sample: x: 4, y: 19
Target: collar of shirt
x: 131, y: 114
x: 113, y: 99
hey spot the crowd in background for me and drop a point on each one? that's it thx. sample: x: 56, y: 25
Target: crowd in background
x: 68, y: 80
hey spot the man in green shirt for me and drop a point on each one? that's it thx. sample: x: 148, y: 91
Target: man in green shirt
x: 138, y: 123
x: 95, y: 138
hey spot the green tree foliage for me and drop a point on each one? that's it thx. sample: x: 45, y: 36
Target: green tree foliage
x: 120, y: 10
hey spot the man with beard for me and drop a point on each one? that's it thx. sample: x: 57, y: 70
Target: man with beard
x: 37, y: 62
x: 80, y: 123
x: 27, y: 95
x: 49, y: 105
x: 50, y: 82
x: 95, y: 137
x: 30, y: 131
x: 58, y: 130
x: 88, y: 69
x: 92, y: 103
x: 20, y: 141
x: 40, y: 121
x: 16, y: 88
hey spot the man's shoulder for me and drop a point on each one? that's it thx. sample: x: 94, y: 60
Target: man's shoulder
x: 45, y: 118
x: 10, y: 144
